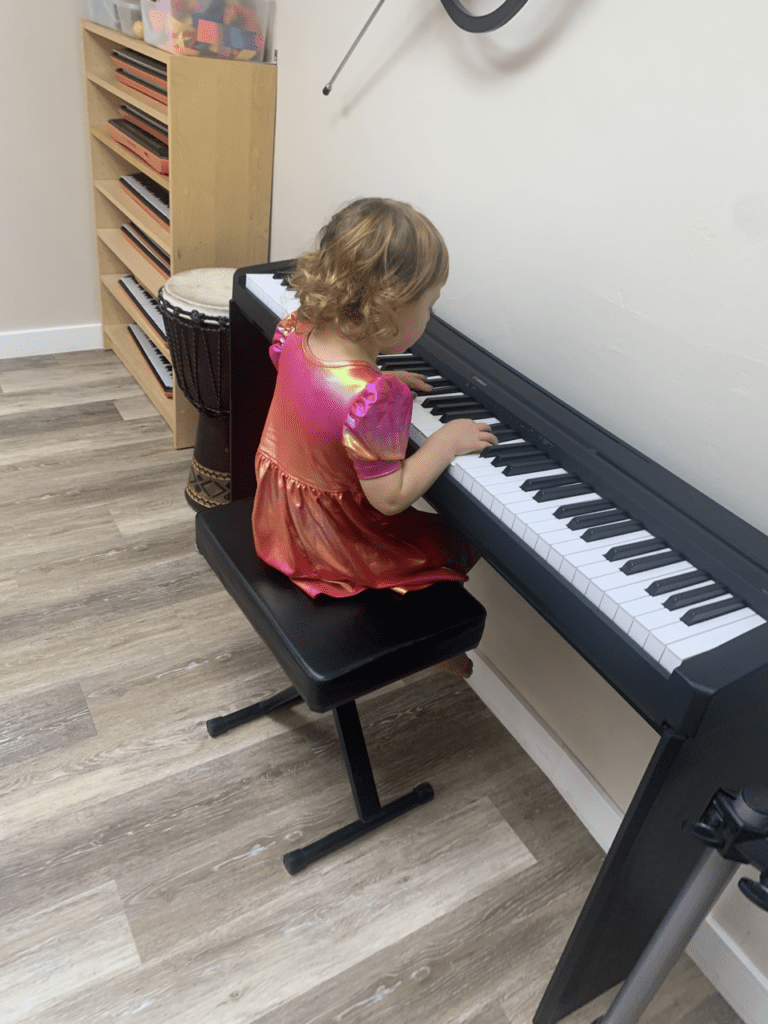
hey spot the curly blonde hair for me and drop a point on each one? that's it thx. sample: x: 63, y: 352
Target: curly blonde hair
x: 374, y: 256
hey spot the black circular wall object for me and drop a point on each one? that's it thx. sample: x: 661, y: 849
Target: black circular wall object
x: 482, y: 22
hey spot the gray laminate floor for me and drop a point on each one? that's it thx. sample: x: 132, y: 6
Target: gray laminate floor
x: 141, y: 860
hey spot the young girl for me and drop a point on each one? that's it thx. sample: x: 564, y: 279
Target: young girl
x: 334, y: 487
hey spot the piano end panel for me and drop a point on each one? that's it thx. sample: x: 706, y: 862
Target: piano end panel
x: 642, y: 873
x: 653, y: 854
x: 252, y: 377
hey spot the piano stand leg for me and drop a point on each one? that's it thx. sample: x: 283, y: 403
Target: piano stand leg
x: 727, y: 822
x: 652, y: 854
x: 696, y: 899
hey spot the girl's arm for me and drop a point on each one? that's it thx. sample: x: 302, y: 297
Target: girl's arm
x: 397, y: 491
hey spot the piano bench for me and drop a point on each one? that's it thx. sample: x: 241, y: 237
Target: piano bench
x: 334, y: 650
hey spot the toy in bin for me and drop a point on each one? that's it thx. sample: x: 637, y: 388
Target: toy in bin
x: 207, y: 28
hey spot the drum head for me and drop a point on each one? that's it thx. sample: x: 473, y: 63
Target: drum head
x: 206, y: 291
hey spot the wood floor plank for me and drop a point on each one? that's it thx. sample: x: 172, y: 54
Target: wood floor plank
x: 18, y: 397
x: 31, y: 725
x: 135, y: 407
x: 83, y: 419
x: 62, y: 949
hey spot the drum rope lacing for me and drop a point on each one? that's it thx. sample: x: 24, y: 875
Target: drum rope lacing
x: 185, y: 356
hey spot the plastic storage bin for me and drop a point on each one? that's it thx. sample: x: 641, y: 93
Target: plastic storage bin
x: 104, y: 12
x: 129, y: 15
x: 207, y: 28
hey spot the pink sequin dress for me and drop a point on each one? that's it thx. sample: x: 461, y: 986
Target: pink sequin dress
x: 329, y: 426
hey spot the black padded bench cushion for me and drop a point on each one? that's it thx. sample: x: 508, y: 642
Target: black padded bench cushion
x: 378, y: 636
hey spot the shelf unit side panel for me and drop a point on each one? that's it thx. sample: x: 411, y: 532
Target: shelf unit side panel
x: 221, y: 153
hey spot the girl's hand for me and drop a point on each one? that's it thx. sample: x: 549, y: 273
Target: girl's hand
x: 414, y: 381
x: 395, y: 492
x: 467, y: 436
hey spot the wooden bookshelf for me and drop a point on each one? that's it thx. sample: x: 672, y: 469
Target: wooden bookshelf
x: 221, y: 130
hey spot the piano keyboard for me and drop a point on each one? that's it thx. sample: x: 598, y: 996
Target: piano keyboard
x: 145, y: 303
x: 274, y: 292
x: 672, y: 610
x: 157, y: 257
x: 153, y: 198
x: 159, y: 365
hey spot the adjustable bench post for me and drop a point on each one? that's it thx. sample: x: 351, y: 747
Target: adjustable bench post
x: 356, y: 760
x: 371, y: 814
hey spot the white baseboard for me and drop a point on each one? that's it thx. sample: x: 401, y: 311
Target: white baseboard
x: 712, y: 950
x: 49, y: 340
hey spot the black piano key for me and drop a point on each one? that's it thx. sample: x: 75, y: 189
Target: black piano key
x: 556, y: 493
x: 496, y: 449
x: 597, y: 505
x: 466, y: 414
x: 640, y: 547
x: 543, y: 482
x: 424, y: 368
x: 504, y: 434
x: 438, y: 403
x: 636, y: 565
x: 441, y: 389
x: 531, y: 465
x: 696, y: 596
x: 615, y: 530
x: 712, y: 611
x: 516, y: 451
x: 670, y: 583
x: 597, y: 519
x: 404, y: 363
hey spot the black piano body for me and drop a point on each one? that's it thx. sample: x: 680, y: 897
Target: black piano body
x: 711, y: 713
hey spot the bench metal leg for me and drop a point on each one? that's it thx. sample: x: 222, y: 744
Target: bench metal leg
x: 371, y: 814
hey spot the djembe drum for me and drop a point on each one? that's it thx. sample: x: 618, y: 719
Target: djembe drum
x: 195, y: 308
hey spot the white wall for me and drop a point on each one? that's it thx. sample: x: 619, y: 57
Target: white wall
x: 47, y: 250
x: 598, y: 168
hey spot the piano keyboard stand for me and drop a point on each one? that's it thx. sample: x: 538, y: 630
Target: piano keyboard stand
x: 736, y: 831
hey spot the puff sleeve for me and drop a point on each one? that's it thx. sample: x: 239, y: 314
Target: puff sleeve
x: 283, y: 329
x: 376, y: 427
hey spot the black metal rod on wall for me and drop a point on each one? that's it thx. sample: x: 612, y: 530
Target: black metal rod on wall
x: 328, y: 87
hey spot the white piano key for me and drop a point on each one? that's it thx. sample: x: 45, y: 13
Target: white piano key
x: 662, y: 636
x: 620, y: 579
x: 621, y: 596
x: 595, y: 552
x: 675, y: 654
x: 273, y: 293
x: 569, y: 551
x: 648, y: 621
